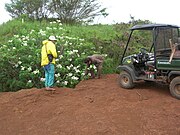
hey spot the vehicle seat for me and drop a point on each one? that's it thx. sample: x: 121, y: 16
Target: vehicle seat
x: 175, y: 50
x: 177, y: 54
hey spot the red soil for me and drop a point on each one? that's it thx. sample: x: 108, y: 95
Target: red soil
x: 94, y: 107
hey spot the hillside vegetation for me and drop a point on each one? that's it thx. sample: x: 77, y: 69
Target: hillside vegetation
x: 21, y: 42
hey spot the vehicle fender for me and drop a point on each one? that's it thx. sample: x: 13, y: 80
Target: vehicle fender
x: 173, y: 73
x: 129, y: 70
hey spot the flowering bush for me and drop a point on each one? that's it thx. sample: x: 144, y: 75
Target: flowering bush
x: 20, y: 60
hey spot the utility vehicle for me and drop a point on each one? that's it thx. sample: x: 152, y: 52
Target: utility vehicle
x: 159, y: 63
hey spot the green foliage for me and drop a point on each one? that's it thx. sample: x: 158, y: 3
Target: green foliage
x: 20, y: 51
x: 20, y: 61
x: 68, y: 11
x: 33, y: 9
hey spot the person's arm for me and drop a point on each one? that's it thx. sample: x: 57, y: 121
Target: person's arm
x: 87, y: 70
x: 53, y: 50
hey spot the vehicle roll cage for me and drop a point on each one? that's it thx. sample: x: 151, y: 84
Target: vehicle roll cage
x: 152, y: 27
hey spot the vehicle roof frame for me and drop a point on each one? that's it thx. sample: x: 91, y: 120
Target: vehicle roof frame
x: 151, y: 27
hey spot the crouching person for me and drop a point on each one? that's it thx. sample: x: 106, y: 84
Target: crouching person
x: 96, y: 60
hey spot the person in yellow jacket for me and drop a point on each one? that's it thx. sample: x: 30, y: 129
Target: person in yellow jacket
x: 49, y: 48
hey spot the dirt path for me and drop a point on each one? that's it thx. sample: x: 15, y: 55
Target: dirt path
x: 94, y: 107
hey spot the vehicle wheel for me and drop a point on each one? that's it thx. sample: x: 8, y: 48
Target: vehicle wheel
x: 125, y: 80
x: 175, y: 87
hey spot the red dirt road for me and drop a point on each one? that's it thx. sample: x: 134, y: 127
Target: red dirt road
x: 94, y: 107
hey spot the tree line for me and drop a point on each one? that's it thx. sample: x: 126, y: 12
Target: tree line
x: 68, y: 11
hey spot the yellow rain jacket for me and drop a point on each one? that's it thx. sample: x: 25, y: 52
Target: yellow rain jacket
x: 51, y: 49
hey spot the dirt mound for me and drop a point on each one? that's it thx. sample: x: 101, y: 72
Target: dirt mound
x: 94, y: 107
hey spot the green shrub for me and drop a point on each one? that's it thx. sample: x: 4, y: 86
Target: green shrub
x: 20, y: 51
x: 20, y: 62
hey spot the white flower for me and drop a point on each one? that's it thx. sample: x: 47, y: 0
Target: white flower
x: 75, y: 78
x: 105, y: 55
x: 33, y: 39
x: 81, y: 39
x: 68, y: 67
x: 36, y: 71
x: 30, y: 56
x: 41, y: 32
x: 16, y: 36
x: 25, y: 43
x: 19, y: 62
x: 57, y: 81
x: 14, y: 47
x: 48, y: 28
x: 65, y: 82
x: 76, y: 51
x: 30, y: 81
x: 59, y: 66
x: 32, y: 31
x: 70, y: 74
x: 57, y: 75
x: 16, y: 65
x: 59, y: 21
x: 92, y: 66
x: 42, y: 79
x: 71, y: 65
x: 29, y: 69
x: 60, y: 56
x: 57, y: 60
x: 70, y: 52
x: 77, y: 71
x: 22, y: 68
x: 83, y: 74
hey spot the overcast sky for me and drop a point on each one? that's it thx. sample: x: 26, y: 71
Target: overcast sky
x: 156, y: 11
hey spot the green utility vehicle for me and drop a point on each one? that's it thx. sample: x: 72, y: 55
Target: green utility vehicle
x: 159, y: 63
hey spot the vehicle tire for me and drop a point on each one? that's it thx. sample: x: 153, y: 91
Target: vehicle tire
x: 125, y: 80
x: 175, y: 87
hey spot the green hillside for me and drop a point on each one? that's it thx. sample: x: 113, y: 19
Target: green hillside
x: 20, y: 46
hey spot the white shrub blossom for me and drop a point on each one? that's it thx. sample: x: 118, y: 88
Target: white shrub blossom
x: 22, y: 68
x: 74, y: 78
x: 42, y: 79
x: 30, y: 81
x: 36, y: 71
x: 29, y: 69
x: 68, y: 67
x: 57, y: 75
x: 65, y: 83
x: 69, y: 74
x: 57, y: 81
x: 59, y: 66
